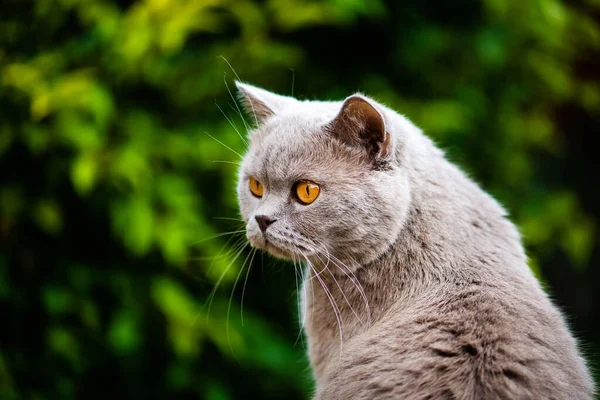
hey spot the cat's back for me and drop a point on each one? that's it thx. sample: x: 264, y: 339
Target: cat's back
x: 463, y: 342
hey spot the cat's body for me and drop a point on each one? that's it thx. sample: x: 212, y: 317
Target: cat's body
x: 417, y: 286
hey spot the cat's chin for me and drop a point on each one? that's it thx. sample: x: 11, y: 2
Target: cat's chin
x: 279, y: 252
x: 274, y: 250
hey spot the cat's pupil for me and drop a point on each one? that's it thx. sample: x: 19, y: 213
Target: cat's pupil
x: 307, y: 190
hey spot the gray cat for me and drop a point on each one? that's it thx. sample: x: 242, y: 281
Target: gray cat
x: 416, y: 284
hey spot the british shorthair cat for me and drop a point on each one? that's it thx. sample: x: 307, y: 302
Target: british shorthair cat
x: 416, y: 285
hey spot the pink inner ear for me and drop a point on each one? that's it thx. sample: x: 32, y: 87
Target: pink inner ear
x: 360, y: 123
x: 366, y: 114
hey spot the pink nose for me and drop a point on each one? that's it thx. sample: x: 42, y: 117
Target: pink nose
x: 264, y: 221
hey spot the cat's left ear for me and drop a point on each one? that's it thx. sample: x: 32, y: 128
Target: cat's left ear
x: 261, y: 104
x: 361, y: 123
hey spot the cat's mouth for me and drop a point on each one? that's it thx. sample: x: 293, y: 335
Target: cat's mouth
x: 281, y: 249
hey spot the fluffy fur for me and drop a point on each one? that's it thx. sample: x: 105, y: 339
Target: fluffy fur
x: 416, y: 285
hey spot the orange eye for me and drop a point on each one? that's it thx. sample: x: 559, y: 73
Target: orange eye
x: 255, y: 187
x: 307, y: 192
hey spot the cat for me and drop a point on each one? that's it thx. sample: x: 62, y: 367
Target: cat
x: 416, y: 284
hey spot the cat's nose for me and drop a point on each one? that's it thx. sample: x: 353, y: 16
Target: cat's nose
x: 264, y: 221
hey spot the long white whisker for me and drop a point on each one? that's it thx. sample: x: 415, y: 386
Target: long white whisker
x: 227, y: 147
x: 217, y: 236
x: 298, y: 298
x: 354, y: 280
x: 336, y: 311
x: 238, y: 77
x: 304, y: 294
x: 240, y: 242
x: 238, y: 163
x: 341, y: 290
x: 232, y: 124
x: 245, y: 283
x: 233, y: 70
x: 211, y: 296
x: 237, y: 108
x: 336, y: 261
x: 230, y: 219
x: 231, y: 299
x: 237, y: 111
x: 293, y: 80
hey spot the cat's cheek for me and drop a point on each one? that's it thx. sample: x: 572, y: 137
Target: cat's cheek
x: 247, y: 205
x: 255, y: 236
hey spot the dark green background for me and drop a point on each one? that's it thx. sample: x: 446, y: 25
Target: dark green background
x: 112, y: 188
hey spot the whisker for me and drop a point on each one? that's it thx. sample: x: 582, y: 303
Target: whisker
x: 303, y: 272
x: 230, y: 219
x: 233, y: 70
x: 240, y: 241
x: 248, y: 127
x: 332, y: 301
x: 312, y: 292
x: 336, y: 261
x: 238, y: 163
x: 239, y: 79
x: 293, y: 80
x: 245, y: 283
x: 239, y: 112
x: 354, y: 280
x: 232, y: 124
x: 211, y: 296
x: 299, y: 301
x: 231, y: 299
x: 341, y: 290
x: 232, y: 233
x: 227, y: 147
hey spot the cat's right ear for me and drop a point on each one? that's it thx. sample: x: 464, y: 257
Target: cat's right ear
x: 261, y: 104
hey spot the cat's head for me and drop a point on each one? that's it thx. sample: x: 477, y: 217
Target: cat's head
x: 321, y: 179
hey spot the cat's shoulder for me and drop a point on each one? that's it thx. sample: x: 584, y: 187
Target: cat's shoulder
x: 472, y: 343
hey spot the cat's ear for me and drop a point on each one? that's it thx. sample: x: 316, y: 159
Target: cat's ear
x: 360, y: 123
x: 261, y: 104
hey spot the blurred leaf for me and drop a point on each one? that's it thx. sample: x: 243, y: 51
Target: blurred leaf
x: 90, y: 317
x: 123, y: 332
x: 578, y: 241
x: 58, y: 300
x: 64, y: 343
x: 216, y: 391
x: 7, y: 389
x: 134, y: 220
x: 183, y: 314
x: 83, y: 173
x: 48, y: 216
x: 11, y: 200
x: 6, y: 138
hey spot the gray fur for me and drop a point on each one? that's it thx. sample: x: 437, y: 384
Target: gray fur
x: 415, y: 266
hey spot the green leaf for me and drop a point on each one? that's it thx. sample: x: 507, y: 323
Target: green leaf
x: 48, y: 216
x: 183, y: 314
x: 84, y: 172
x: 124, y: 333
x: 62, y: 341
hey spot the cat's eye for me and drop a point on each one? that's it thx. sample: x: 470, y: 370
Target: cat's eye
x: 307, y: 192
x: 255, y: 187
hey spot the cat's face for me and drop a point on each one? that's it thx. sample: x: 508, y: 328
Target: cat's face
x: 318, y: 184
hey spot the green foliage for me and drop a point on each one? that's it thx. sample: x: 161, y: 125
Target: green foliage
x: 119, y: 136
